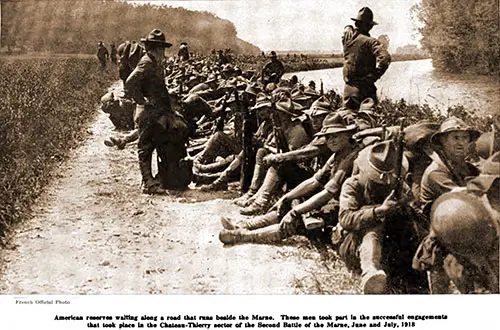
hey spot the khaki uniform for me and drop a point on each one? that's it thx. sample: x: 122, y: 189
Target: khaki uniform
x: 365, y: 61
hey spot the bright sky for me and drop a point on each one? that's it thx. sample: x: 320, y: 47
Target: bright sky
x: 307, y: 25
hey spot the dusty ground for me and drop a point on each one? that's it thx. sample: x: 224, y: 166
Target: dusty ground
x: 93, y: 232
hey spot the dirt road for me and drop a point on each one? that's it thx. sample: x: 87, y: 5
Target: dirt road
x: 93, y: 232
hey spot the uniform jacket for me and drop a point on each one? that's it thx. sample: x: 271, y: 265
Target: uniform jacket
x: 438, y: 179
x: 358, y: 201
x: 273, y: 67
x: 365, y: 60
x: 146, y: 85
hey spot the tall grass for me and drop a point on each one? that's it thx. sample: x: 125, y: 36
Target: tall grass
x: 45, y: 105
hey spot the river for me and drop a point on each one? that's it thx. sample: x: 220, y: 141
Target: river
x: 417, y: 82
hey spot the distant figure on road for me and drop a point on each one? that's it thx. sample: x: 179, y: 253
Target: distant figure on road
x: 102, y: 54
x: 183, y: 52
x: 273, y: 70
x: 365, y: 60
x: 113, y: 54
x: 221, y: 58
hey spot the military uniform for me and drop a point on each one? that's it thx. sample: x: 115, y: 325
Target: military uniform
x: 365, y: 61
x: 273, y: 67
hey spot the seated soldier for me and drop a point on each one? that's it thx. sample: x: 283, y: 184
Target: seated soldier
x: 466, y: 225
x: 376, y: 232
x: 268, y: 229
x: 317, y: 113
x: 287, y: 120
x: 447, y: 172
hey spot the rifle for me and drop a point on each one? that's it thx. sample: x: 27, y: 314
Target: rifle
x: 219, y: 126
x: 246, y: 142
x: 279, y: 137
x: 399, y: 162
x: 321, y: 91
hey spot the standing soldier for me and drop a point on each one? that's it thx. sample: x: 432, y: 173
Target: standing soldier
x: 365, y: 60
x: 102, y: 55
x: 273, y: 70
x: 183, y: 52
x: 154, y: 115
x: 113, y: 54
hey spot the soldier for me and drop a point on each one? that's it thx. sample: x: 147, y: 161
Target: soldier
x: 447, y: 172
x: 183, y: 52
x: 273, y: 70
x: 365, y: 60
x: 372, y: 218
x: 113, y: 54
x: 157, y: 122
x: 102, y: 55
x: 328, y: 181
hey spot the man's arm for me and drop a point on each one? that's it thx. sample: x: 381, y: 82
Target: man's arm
x: 382, y: 55
x: 354, y: 216
x: 132, y: 87
x: 308, y: 152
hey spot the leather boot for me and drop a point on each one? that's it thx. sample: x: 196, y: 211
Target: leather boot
x: 270, y: 218
x: 219, y: 184
x: 149, y: 184
x: 373, y: 278
x: 242, y: 201
x: 263, y: 197
x: 270, y: 234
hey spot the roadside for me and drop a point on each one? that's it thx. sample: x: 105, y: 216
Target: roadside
x: 92, y: 232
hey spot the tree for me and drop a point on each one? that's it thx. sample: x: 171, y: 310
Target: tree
x: 461, y: 35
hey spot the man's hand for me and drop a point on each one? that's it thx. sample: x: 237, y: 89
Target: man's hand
x: 289, y: 223
x: 282, y: 206
x: 390, y: 205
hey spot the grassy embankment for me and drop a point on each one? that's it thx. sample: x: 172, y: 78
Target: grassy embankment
x: 45, y: 104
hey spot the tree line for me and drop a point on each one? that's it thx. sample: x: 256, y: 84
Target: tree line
x: 76, y: 26
x: 461, y: 35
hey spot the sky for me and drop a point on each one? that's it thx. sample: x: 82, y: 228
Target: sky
x: 307, y: 25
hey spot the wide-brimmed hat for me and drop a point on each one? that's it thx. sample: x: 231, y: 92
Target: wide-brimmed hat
x: 487, y: 144
x: 253, y: 89
x: 319, y: 107
x: 211, y: 78
x: 299, y: 96
x: 333, y: 124
x: 454, y: 124
x: 365, y: 15
x: 157, y: 38
x: 287, y: 106
x: 490, y: 171
x: 311, y: 92
x: 419, y: 134
x: 262, y: 101
x: 379, y: 161
x: 227, y: 68
x: 272, y: 54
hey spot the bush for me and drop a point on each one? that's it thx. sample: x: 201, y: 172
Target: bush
x: 45, y: 105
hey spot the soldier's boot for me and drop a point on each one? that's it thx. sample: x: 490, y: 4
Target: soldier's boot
x: 258, y: 176
x: 263, y: 199
x: 219, y: 184
x: 218, y: 166
x: 150, y: 186
x: 266, y: 235
x: 265, y: 220
x: 373, y: 278
x: 204, y: 178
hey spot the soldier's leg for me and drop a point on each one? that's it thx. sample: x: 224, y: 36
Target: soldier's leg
x: 145, y: 147
x: 261, y: 221
x: 373, y: 278
x: 221, y: 182
x: 269, y: 187
x: 258, y: 176
x: 266, y: 235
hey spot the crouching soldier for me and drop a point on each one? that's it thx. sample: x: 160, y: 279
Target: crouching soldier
x: 375, y: 233
x: 159, y: 126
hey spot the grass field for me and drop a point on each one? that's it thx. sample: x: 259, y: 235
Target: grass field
x: 45, y: 101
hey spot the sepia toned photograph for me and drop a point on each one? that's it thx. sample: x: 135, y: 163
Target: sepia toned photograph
x: 240, y: 147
